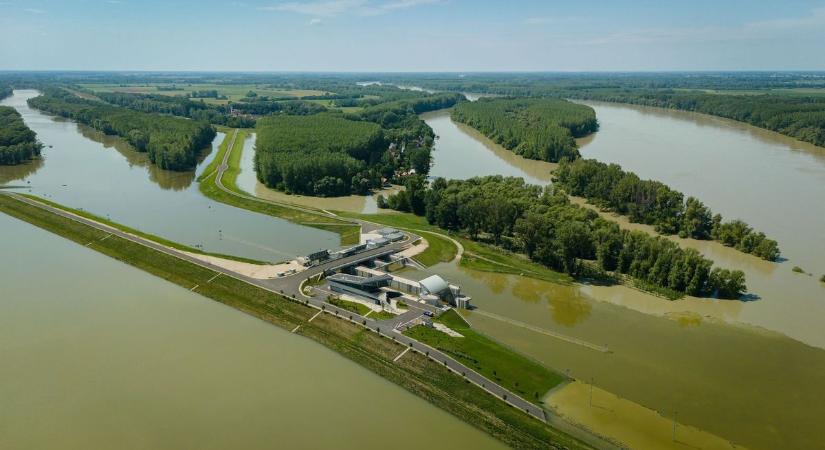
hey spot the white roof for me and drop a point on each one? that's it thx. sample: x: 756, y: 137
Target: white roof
x: 434, y: 284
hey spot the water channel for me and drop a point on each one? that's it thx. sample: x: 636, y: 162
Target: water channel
x: 85, y: 169
x: 129, y: 361
x: 725, y: 367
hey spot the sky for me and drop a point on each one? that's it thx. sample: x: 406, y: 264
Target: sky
x: 412, y: 35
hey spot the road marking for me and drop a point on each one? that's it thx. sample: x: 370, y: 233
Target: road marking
x: 296, y: 328
x: 402, y: 354
x: 213, y: 278
x: 194, y: 287
x: 107, y: 237
x: 316, y: 315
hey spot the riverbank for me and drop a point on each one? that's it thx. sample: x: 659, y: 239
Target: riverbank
x: 218, y: 183
x: 414, y: 372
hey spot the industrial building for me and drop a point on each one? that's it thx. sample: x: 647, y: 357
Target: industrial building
x: 433, y: 290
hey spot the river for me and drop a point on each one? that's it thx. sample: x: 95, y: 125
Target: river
x: 85, y: 169
x: 725, y: 367
x: 129, y: 361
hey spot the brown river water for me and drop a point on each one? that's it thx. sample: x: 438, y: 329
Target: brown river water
x: 129, y: 361
x: 731, y: 372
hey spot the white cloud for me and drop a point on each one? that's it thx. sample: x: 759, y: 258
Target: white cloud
x: 323, y: 8
x: 538, y: 20
x: 315, y: 21
x: 34, y: 11
x: 332, y: 8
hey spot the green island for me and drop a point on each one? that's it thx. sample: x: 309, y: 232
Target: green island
x: 172, y: 143
x: 545, y: 226
x: 654, y: 203
x: 543, y: 129
x: 18, y: 143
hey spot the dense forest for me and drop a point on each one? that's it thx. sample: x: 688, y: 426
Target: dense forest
x: 541, y: 129
x: 550, y: 230
x: 18, y: 143
x: 172, y: 143
x: 333, y: 154
x: 800, y: 117
x: 321, y: 154
x: 654, y: 203
x: 5, y: 91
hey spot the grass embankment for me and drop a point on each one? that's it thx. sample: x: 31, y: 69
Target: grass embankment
x: 355, y: 307
x: 350, y: 233
x: 477, y: 255
x: 414, y: 372
x: 529, y: 379
x: 487, y: 258
x: 151, y: 237
x: 439, y: 248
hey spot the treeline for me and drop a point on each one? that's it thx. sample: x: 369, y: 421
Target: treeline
x: 172, y: 143
x: 550, y: 230
x: 264, y: 107
x: 321, y: 154
x: 800, y: 117
x: 177, y: 106
x: 654, y: 203
x: 541, y: 129
x: 18, y: 143
x: 400, y: 117
x: 5, y: 91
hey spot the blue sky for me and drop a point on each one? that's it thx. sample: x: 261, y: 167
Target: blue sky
x: 412, y: 35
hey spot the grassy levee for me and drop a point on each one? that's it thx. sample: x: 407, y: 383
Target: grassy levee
x: 151, y: 237
x: 438, y: 250
x: 416, y: 373
x: 521, y: 375
x: 350, y: 233
x: 487, y: 258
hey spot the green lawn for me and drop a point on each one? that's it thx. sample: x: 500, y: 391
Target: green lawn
x: 382, y: 315
x: 439, y: 249
x: 487, y: 258
x: 355, y: 307
x: 508, y: 368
